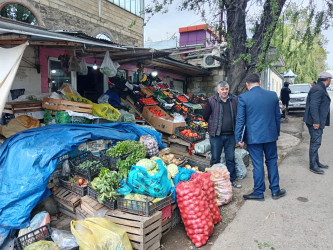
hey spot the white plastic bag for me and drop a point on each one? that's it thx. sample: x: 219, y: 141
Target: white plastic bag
x: 241, y: 171
x: 65, y: 240
x: 221, y: 178
x: 178, y: 118
x: 108, y: 67
x: 83, y: 67
x: 202, y: 147
x: 103, y: 99
x: 74, y: 64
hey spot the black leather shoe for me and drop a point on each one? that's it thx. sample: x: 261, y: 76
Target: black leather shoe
x: 253, y: 197
x: 279, y: 194
x: 322, y: 165
x: 316, y: 170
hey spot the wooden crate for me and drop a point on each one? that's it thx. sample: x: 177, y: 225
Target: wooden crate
x: 63, y: 105
x: 144, y: 232
x: 90, y: 207
x: 22, y: 107
x: 166, y: 226
x: 67, y: 199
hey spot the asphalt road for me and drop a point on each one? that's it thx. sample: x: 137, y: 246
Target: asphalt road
x: 303, y: 219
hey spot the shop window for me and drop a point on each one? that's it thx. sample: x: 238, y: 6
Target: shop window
x: 104, y: 37
x: 57, y: 75
x: 18, y: 12
x: 133, y: 6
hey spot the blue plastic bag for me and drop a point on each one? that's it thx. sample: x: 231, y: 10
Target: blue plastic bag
x: 183, y: 175
x: 141, y: 182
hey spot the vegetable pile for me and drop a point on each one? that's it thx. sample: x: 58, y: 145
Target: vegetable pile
x: 182, y: 98
x: 194, y: 210
x: 156, y: 112
x: 150, y: 165
x: 148, y: 101
x: 189, y: 133
x: 106, y: 185
x: 136, y: 152
x: 170, y: 158
x: 77, y: 180
x: 93, y: 165
x: 151, y: 145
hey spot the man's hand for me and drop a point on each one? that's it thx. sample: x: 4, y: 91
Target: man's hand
x: 241, y: 144
x: 316, y: 126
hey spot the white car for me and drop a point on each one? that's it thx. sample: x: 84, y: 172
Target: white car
x: 299, y: 93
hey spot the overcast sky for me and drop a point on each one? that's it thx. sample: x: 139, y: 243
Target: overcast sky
x: 164, y: 26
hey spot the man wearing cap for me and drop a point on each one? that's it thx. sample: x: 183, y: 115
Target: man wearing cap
x: 316, y: 117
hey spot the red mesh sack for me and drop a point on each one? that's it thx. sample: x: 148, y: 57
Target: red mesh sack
x: 195, y: 212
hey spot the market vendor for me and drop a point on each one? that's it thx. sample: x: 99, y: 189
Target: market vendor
x: 220, y: 113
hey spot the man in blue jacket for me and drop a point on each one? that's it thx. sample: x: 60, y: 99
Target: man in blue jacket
x: 316, y: 117
x: 259, y: 116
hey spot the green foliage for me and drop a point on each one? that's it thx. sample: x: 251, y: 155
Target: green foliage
x: 264, y: 245
x: 299, y: 41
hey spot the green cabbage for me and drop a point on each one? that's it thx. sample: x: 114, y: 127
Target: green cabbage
x: 147, y: 164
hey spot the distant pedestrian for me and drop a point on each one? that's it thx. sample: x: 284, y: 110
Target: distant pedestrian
x: 259, y: 113
x: 285, y: 97
x: 316, y: 117
x: 313, y: 83
x: 220, y: 113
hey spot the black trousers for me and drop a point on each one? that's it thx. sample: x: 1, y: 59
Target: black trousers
x: 315, y: 143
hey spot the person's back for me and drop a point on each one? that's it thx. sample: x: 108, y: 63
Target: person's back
x: 261, y: 125
x: 285, y: 94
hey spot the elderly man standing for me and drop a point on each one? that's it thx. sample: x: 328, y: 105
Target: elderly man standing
x: 220, y: 113
x: 259, y: 114
x: 316, y: 117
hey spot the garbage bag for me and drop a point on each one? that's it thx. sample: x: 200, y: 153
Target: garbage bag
x: 241, y: 171
x: 65, y: 240
x: 99, y: 233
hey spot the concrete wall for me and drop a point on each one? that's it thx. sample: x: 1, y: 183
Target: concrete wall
x: 90, y: 16
x: 205, y: 85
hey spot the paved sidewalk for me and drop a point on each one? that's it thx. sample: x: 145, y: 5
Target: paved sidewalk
x: 303, y: 219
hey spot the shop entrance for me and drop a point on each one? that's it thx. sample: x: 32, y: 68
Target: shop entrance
x: 91, y: 86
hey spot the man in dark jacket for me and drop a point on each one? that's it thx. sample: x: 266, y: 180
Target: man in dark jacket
x: 316, y: 117
x: 285, y: 97
x: 220, y: 113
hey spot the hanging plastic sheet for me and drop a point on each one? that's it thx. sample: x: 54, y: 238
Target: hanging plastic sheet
x: 28, y: 158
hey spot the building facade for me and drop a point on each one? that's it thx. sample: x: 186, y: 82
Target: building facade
x: 118, y: 20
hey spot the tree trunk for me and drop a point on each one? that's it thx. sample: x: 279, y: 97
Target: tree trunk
x: 238, y: 68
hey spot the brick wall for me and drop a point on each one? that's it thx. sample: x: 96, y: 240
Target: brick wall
x: 206, y: 84
x: 84, y: 15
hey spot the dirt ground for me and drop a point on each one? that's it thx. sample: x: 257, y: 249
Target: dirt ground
x: 290, y: 137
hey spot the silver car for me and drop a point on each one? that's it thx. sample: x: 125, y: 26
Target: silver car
x: 299, y: 93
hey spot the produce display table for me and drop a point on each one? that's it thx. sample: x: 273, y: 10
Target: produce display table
x: 22, y: 107
x: 63, y: 105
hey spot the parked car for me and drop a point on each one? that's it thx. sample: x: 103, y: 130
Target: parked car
x: 299, y: 93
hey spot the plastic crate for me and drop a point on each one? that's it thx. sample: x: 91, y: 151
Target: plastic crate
x: 182, y: 99
x: 88, y: 173
x: 112, y: 161
x: 143, y: 208
x: 72, y: 187
x: 175, y: 218
x: 112, y: 204
x: 42, y: 233
x: 142, y: 101
x: 81, y: 120
x: 201, y: 136
x: 159, y: 94
x: 195, y: 99
x: 194, y: 163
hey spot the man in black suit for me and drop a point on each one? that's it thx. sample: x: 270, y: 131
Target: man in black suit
x: 285, y: 97
x: 316, y: 117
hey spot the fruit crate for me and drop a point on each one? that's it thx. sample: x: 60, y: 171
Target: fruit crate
x: 197, y: 127
x: 200, y: 136
x: 195, y: 99
x: 142, y: 208
x: 182, y: 99
x: 112, y: 204
x: 150, y: 101
x: 112, y: 161
x: 91, y: 172
x: 42, y: 233
x: 72, y: 187
x: 147, y: 91
x: 159, y: 94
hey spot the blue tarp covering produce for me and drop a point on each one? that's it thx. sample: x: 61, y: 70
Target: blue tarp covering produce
x: 28, y: 158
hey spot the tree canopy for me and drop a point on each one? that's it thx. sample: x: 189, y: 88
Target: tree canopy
x: 235, y: 19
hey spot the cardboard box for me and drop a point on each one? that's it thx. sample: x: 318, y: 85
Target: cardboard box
x: 164, y: 124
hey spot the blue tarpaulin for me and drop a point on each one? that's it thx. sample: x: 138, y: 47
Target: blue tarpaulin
x: 28, y: 158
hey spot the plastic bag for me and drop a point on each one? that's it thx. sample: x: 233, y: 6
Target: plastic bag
x: 241, y: 171
x: 99, y: 233
x: 150, y: 143
x: 157, y: 185
x: 83, y: 67
x: 223, y: 188
x: 74, y: 64
x: 108, y: 67
x: 65, y: 240
x: 202, y: 147
x: 103, y: 99
x: 39, y: 220
x: 178, y: 118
